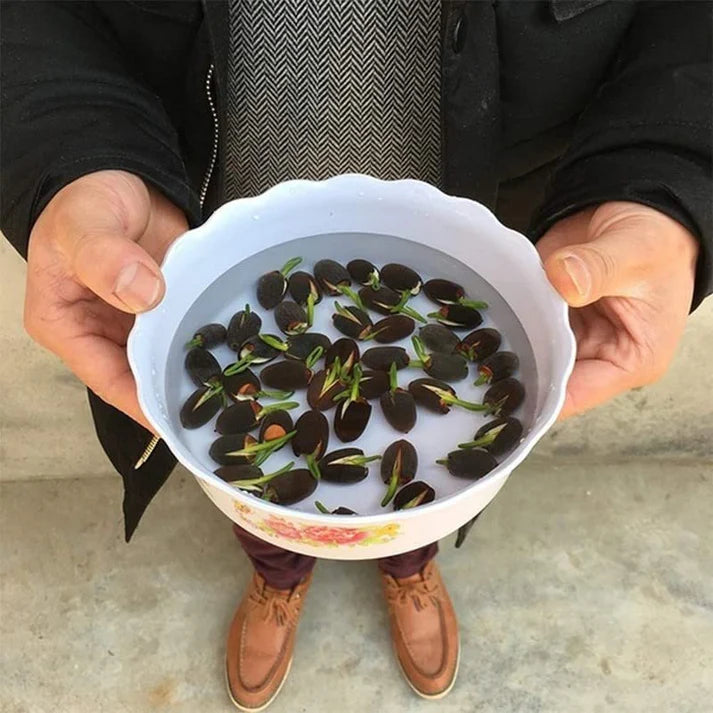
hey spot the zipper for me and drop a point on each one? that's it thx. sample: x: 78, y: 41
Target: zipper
x: 214, y: 155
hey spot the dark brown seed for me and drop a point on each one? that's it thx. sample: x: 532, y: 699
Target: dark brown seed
x: 341, y: 510
x: 336, y: 467
x: 321, y: 392
x: 200, y: 407
x: 330, y: 275
x: 398, y: 467
x: 241, y: 417
x: 246, y: 471
x: 499, y: 435
x: 242, y: 386
x: 458, y: 316
x: 393, y: 328
x: 439, y: 339
x: 399, y: 408
x: 424, y: 394
x: 504, y: 396
x: 472, y: 463
x: 353, y: 322
x: 291, y: 487
x: 201, y: 366
x: 447, y: 367
x: 381, y: 358
x: 301, y: 285
x: 300, y: 346
x: 271, y: 289
x: 274, y: 425
x: 290, y: 318
x: 348, y: 352
x: 363, y: 272
x: 351, y: 419
x: 221, y: 449
x: 312, y: 437
x: 497, y: 366
x: 208, y: 336
x: 480, y: 344
x: 373, y: 384
x: 243, y: 325
x: 288, y: 375
x: 443, y: 292
x: 414, y: 494
x: 258, y: 351
x: 380, y: 300
x: 399, y: 278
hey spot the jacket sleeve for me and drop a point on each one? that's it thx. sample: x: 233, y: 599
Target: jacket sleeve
x: 70, y: 106
x: 646, y: 135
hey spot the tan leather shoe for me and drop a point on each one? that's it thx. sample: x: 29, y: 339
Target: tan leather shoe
x: 424, y: 631
x: 261, y: 640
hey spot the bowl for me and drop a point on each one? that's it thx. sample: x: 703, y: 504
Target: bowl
x: 211, y: 272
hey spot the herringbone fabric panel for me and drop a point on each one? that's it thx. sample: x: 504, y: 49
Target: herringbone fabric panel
x: 321, y: 87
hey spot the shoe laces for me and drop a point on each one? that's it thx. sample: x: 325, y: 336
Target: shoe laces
x: 276, y: 606
x: 419, y: 592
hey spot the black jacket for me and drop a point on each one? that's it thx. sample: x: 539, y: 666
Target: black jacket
x: 547, y: 107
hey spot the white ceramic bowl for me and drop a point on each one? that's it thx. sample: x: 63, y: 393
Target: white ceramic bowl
x: 211, y: 272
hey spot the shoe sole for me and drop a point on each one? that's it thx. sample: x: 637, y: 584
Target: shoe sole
x: 241, y: 707
x: 432, y: 696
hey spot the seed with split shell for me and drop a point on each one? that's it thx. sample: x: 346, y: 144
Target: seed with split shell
x: 290, y: 318
x: 238, y: 471
x: 445, y: 292
x: 244, y: 416
x: 381, y: 299
x: 223, y: 450
x: 241, y: 386
x: 201, y: 406
x: 393, y: 328
x: 504, y: 396
x: 480, y: 344
x: 290, y: 487
x: 275, y: 425
x: 341, y: 510
x: 447, y: 367
x: 363, y: 272
x: 458, y: 316
x: 345, y: 465
x: 301, y: 346
x: 497, y: 436
x: 414, y: 494
x: 496, y: 367
x: 399, y: 278
x: 437, y: 396
x: 208, y: 336
x: 398, y: 405
x: 381, y: 358
x: 344, y: 349
x: 201, y: 366
x: 471, y: 464
x: 331, y: 275
x: 325, y: 385
x: 398, y: 467
x: 352, y: 413
x: 373, y: 384
x: 352, y: 321
x: 272, y: 286
x: 311, y: 438
x: 301, y: 285
x: 254, y: 350
x: 439, y: 339
x: 242, y: 326
x: 288, y: 375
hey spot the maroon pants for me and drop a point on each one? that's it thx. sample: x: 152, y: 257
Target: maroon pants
x: 283, y: 569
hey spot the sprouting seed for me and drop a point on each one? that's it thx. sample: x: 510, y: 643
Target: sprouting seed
x: 325, y: 385
x: 289, y: 487
x: 341, y: 510
x: 272, y: 286
x: 345, y: 465
x: 373, y: 384
x: 398, y: 405
x: 439, y: 339
x: 244, y: 416
x: 381, y: 358
x: 243, y: 325
x: 497, y: 436
x: 242, y: 448
x: 344, y: 349
x: 275, y: 425
x: 398, y: 467
x: 399, y: 278
x: 259, y: 349
x: 414, y: 494
x: 471, y: 464
x: 311, y: 439
x: 201, y: 406
x: 352, y: 321
x: 393, y: 328
x: 289, y: 375
x: 202, y: 366
x: 353, y: 413
x: 496, y: 367
x: 363, y: 272
x: 447, y: 367
x: 445, y: 292
x: 457, y: 316
x: 301, y: 285
x: 480, y: 344
x: 302, y: 346
x: 330, y: 275
x: 437, y: 396
x: 208, y: 336
x: 241, y: 386
x: 382, y: 299
x: 291, y: 318
x: 504, y: 396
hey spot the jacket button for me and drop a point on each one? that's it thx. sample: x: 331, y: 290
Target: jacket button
x: 458, y: 36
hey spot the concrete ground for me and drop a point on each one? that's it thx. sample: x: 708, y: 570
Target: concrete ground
x: 586, y: 586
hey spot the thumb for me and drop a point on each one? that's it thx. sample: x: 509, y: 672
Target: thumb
x: 615, y: 264
x: 99, y: 224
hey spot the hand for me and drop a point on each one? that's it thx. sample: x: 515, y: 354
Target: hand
x: 93, y: 263
x: 628, y: 273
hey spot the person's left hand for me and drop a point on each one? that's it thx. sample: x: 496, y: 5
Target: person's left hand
x: 627, y: 271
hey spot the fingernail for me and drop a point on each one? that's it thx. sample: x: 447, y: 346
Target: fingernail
x: 579, y: 274
x: 137, y: 287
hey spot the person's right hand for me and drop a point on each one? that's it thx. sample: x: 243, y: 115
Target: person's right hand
x: 93, y: 263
